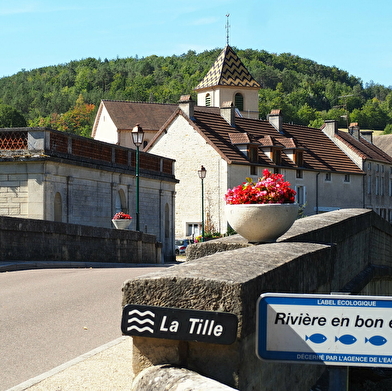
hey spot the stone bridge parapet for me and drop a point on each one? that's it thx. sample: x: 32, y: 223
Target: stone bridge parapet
x: 342, y: 251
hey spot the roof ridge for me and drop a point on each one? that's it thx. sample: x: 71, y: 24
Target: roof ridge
x: 139, y: 102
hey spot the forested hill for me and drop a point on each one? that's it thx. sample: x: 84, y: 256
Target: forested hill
x: 66, y: 96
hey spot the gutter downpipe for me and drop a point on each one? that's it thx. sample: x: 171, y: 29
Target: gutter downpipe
x: 317, y: 193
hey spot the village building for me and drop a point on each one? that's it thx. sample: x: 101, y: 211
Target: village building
x: 223, y: 133
x: 115, y: 120
x: 375, y: 162
x: 233, y: 148
x: 56, y: 176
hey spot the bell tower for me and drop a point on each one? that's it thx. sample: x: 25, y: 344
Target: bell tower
x: 229, y: 80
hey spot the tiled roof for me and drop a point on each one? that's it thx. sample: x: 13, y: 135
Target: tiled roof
x: 126, y: 115
x: 319, y: 152
x: 239, y: 138
x: 364, y: 148
x: 228, y: 70
x: 384, y: 142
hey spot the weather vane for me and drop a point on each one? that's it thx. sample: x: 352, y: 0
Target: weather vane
x: 227, y: 29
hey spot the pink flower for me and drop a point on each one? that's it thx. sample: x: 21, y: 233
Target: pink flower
x: 121, y: 216
x: 270, y: 189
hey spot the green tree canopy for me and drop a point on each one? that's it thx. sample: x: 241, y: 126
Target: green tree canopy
x: 10, y: 117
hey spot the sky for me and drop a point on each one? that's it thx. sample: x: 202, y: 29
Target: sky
x: 355, y: 36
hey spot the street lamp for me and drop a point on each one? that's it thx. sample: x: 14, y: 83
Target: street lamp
x: 137, y: 137
x: 202, y: 174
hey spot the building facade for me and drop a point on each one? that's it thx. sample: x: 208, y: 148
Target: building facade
x: 232, y: 148
x: 50, y: 175
x: 373, y: 161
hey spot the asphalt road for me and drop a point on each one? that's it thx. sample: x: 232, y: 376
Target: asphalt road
x: 48, y: 317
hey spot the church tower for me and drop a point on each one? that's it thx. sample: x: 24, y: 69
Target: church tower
x: 229, y: 80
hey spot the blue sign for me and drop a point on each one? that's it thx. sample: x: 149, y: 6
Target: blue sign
x: 325, y: 329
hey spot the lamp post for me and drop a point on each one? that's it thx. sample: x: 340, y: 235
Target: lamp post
x: 202, y: 174
x: 137, y: 137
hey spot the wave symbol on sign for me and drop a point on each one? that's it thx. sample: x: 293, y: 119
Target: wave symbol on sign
x: 138, y: 323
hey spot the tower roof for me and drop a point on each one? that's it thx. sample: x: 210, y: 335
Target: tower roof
x: 228, y: 70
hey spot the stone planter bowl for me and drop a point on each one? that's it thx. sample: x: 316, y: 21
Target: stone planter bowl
x: 261, y: 223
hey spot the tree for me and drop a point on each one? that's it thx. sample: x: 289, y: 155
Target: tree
x: 10, y: 117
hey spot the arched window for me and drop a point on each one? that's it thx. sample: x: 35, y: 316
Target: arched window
x: 239, y: 101
x: 121, y: 205
x: 208, y: 100
x: 58, y: 208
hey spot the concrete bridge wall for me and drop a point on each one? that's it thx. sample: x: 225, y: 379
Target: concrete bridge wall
x: 41, y: 240
x: 342, y: 251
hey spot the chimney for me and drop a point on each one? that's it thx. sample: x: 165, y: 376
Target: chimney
x: 368, y: 135
x: 330, y: 127
x: 275, y: 118
x: 227, y: 111
x: 354, y: 130
x: 187, y: 105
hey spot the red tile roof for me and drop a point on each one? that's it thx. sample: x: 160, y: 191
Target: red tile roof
x: 126, y: 115
x: 364, y: 148
x: 320, y: 153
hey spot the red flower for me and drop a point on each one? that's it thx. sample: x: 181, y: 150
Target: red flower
x: 270, y: 189
x: 121, y: 215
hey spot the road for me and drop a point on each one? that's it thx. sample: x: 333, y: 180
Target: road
x: 51, y: 316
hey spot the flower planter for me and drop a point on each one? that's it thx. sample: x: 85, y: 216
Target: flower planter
x: 121, y: 223
x: 261, y: 223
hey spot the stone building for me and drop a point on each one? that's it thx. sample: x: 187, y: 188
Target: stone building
x: 232, y: 148
x: 51, y: 175
x: 115, y: 120
x: 373, y: 161
x: 224, y: 134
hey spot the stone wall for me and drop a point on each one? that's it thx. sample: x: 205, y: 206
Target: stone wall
x: 333, y: 252
x: 55, y: 176
x: 39, y: 240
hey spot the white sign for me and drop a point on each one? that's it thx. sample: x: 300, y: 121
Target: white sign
x: 325, y: 329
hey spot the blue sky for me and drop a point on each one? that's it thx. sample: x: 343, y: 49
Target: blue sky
x: 354, y: 36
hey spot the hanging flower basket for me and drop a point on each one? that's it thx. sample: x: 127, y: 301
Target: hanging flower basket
x: 261, y: 211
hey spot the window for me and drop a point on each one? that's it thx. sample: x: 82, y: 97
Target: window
x: 277, y: 157
x: 253, y: 154
x: 382, y: 169
x: 369, y: 184
x: 193, y: 229
x: 300, y: 196
x: 377, y: 168
x: 347, y: 178
x: 382, y: 185
x: 299, y: 174
x: 377, y: 185
x: 253, y: 170
x: 239, y: 101
x: 369, y: 166
x: 390, y: 187
x: 328, y: 177
x: 208, y: 100
x: 120, y: 202
x: 299, y: 158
